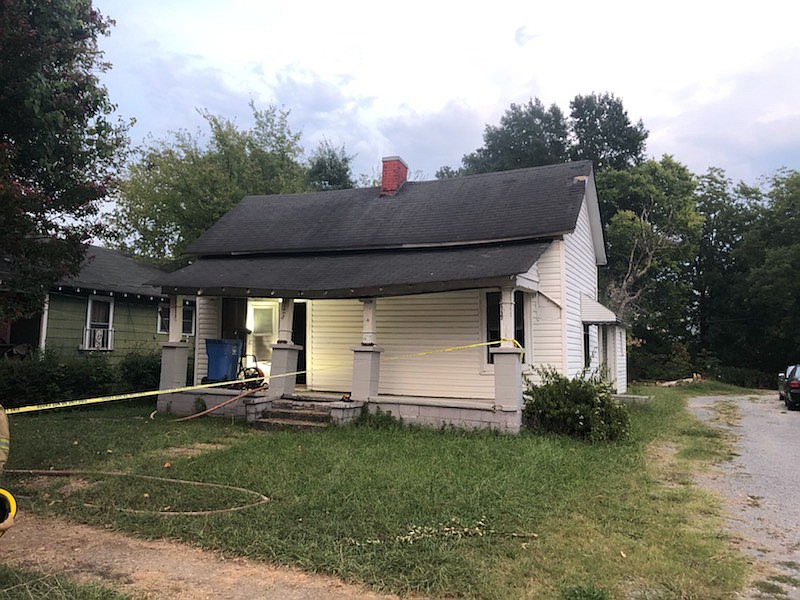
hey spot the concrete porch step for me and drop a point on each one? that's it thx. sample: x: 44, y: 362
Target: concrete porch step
x: 285, y: 414
x: 276, y: 424
x: 297, y: 413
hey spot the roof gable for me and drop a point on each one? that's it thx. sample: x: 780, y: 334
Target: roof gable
x: 523, y: 204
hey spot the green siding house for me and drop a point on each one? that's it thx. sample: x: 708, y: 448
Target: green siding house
x: 110, y: 307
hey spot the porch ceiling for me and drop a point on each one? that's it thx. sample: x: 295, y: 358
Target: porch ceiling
x: 355, y: 274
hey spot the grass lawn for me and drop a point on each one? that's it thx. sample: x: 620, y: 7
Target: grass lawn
x: 440, y: 513
x: 18, y: 584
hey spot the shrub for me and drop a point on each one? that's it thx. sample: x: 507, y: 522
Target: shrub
x: 140, y: 370
x: 379, y: 419
x: 582, y: 407
x: 48, y: 377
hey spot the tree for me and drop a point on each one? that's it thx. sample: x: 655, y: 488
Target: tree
x: 175, y: 189
x: 718, y: 272
x: 770, y: 253
x: 329, y: 168
x: 529, y: 135
x: 652, y: 241
x: 58, y: 147
x: 602, y: 132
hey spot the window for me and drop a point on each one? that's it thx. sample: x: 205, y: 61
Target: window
x: 587, y: 350
x: 187, y: 327
x: 163, y: 318
x: 493, y: 320
x: 188, y: 319
x: 99, y: 331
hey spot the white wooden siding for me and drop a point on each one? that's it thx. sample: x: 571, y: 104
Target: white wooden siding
x: 620, y: 345
x: 405, y: 325
x: 207, y: 326
x: 425, y: 323
x: 548, y: 326
x: 580, y: 277
x: 334, y: 328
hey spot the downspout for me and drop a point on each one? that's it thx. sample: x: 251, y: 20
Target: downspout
x: 43, y: 323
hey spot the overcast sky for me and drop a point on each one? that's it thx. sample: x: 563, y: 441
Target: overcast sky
x: 715, y: 83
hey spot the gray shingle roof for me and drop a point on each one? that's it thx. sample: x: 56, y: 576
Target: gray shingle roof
x: 355, y: 274
x: 111, y: 271
x: 522, y: 204
x: 475, y: 231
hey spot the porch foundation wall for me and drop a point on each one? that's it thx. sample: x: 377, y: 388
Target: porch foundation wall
x: 442, y: 415
x: 183, y: 404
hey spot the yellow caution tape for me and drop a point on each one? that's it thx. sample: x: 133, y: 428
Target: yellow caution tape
x: 189, y: 388
x: 455, y: 348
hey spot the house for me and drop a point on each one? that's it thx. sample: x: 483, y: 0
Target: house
x: 107, y: 308
x: 427, y: 299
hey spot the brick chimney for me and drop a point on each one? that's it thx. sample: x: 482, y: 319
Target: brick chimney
x: 395, y: 171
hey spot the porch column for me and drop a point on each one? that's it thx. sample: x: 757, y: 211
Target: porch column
x: 174, y: 353
x: 175, y: 318
x: 366, y: 357
x: 507, y: 363
x: 284, y: 353
x: 507, y: 317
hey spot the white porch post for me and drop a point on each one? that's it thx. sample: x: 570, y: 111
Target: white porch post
x: 507, y: 363
x: 282, y: 374
x: 367, y: 356
x: 285, y: 317
x: 507, y: 317
x: 174, y: 353
x: 175, y: 318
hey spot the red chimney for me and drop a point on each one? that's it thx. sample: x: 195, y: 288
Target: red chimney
x: 395, y: 171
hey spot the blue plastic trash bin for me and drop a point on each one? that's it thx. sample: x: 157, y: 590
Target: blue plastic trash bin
x: 223, y: 359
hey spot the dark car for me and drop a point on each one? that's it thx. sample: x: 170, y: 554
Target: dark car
x: 789, y: 387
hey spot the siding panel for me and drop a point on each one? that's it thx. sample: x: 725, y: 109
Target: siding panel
x: 580, y: 278
x: 207, y: 325
x: 405, y: 325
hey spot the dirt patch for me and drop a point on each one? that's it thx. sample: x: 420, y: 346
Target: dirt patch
x: 190, y: 451
x: 159, y: 569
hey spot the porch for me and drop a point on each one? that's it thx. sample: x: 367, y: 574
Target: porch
x: 363, y: 373
x: 266, y: 411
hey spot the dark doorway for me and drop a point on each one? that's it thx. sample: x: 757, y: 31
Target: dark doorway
x: 299, y: 337
x: 234, y: 318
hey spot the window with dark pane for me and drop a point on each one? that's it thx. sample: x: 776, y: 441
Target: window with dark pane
x: 493, y: 320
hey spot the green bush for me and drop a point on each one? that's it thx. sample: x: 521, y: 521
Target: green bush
x: 582, y: 407
x: 140, y: 370
x: 48, y: 377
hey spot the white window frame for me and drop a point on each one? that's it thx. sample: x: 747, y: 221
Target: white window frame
x: 162, y: 324
x: 162, y: 318
x: 87, y: 332
x: 191, y: 308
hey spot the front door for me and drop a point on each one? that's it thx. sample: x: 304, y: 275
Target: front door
x: 262, y: 325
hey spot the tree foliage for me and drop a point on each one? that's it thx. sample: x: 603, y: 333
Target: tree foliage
x: 530, y: 135
x: 652, y: 240
x: 177, y: 188
x: 603, y: 133
x: 58, y: 145
x: 329, y: 168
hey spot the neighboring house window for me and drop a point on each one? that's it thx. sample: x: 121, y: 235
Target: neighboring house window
x: 99, y: 331
x: 187, y: 328
x: 188, y: 319
x: 493, y: 320
x: 163, y: 317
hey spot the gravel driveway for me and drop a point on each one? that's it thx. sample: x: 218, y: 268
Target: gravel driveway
x: 761, y: 488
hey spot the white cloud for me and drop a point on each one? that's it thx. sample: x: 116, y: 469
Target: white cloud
x: 711, y: 80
